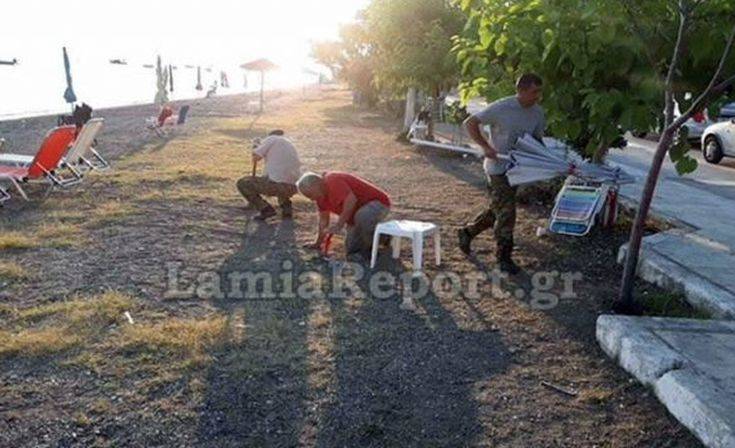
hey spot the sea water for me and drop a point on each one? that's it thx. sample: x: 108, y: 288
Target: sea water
x: 35, y: 86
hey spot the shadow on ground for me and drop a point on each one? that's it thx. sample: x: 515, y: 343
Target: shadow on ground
x: 398, y: 378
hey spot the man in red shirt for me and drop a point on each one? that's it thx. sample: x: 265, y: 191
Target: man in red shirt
x: 359, y: 204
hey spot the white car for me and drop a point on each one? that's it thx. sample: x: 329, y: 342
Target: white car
x: 718, y: 141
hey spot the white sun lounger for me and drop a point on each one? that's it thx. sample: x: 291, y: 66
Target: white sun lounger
x: 78, y: 159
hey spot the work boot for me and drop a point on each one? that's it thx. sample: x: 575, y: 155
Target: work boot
x: 286, y: 211
x: 465, y: 239
x: 505, y: 262
x: 265, y: 213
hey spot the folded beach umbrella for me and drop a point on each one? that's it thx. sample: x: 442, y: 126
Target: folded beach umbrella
x: 170, y: 78
x: 161, y: 83
x: 69, y: 95
x: 199, y: 78
x: 531, y: 161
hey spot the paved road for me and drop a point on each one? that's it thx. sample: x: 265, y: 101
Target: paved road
x: 715, y: 179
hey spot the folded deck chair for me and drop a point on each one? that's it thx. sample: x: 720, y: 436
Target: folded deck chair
x: 80, y: 157
x: 576, y: 209
x: 156, y: 124
x: 45, y: 163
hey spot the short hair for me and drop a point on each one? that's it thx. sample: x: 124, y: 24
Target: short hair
x: 276, y: 132
x: 527, y: 80
x: 307, y: 180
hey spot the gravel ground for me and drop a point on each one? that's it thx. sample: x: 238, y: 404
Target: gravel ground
x: 460, y: 370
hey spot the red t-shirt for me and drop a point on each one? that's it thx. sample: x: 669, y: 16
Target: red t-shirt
x: 339, y: 185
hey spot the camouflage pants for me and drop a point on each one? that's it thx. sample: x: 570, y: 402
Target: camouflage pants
x: 500, y: 214
x: 253, y: 187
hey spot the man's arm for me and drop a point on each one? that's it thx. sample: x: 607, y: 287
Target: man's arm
x: 348, y: 208
x: 473, y: 126
x: 321, y: 230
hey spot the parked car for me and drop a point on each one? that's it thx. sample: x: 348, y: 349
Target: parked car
x: 727, y: 112
x: 718, y: 141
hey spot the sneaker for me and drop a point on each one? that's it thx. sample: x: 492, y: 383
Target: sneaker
x: 508, y: 266
x: 465, y: 239
x: 266, y: 213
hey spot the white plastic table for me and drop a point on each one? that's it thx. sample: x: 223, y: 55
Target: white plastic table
x: 416, y: 231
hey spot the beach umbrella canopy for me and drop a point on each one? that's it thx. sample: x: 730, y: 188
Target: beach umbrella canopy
x: 532, y: 161
x: 262, y: 66
x: 161, y: 83
x: 69, y: 95
x: 171, y: 78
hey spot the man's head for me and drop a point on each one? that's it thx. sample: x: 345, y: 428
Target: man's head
x: 311, y: 185
x: 529, y: 87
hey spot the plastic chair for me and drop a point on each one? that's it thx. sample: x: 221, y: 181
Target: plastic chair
x: 413, y: 230
x: 45, y: 162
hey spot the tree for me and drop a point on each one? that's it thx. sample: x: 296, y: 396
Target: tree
x: 351, y: 59
x: 603, y: 62
x: 395, y: 45
x: 688, y: 13
x: 413, y: 43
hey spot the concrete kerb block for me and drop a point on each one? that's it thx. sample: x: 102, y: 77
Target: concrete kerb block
x: 636, y: 349
x: 696, y: 403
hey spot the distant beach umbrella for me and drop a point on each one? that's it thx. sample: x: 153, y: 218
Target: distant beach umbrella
x: 161, y: 83
x: 69, y: 95
x: 171, y: 78
x: 262, y: 66
x: 199, y: 78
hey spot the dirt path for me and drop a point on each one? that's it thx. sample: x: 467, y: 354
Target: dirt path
x: 198, y: 369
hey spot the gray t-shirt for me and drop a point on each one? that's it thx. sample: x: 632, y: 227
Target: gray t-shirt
x: 281, y: 160
x: 508, y: 121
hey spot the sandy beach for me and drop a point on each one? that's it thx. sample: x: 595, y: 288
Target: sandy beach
x: 118, y: 327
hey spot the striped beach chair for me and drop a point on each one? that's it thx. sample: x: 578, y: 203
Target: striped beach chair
x: 576, y: 209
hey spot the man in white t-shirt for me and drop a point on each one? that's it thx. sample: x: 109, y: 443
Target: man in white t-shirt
x: 282, y: 170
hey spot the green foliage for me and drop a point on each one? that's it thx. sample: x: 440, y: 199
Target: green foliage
x: 394, y: 45
x: 456, y: 113
x: 603, y: 62
x: 351, y: 59
x: 413, y: 42
x: 679, y: 153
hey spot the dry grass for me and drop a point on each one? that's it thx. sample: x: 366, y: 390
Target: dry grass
x: 13, y: 271
x: 36, y: 342
x: 16, y: 240
x: 97, y: 326
x: 109, y: 213
x: 187, y: 339
x: 55, y: 327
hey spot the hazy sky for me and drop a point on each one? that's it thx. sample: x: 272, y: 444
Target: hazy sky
x: 183, y: 31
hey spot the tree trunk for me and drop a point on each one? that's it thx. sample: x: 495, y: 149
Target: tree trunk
x: 625, y: 299
x: 410, y: 113
x: 600, y: 153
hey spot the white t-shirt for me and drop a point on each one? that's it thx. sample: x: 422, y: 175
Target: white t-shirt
x: 281, y: 160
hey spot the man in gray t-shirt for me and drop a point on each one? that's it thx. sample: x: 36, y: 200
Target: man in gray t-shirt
x: 508, y: 118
